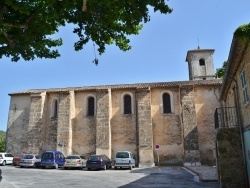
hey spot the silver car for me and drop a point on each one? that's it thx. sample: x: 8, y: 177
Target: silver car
x: 31, y: 160
x: 75, y: 161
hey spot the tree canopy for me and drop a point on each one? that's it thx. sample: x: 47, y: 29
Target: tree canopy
x: 220, y: 72
x: 26, y: 27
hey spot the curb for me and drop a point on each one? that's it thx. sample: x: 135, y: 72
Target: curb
x: 201, y: 178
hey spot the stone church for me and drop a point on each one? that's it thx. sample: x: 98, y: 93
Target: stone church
x: 176, y: 116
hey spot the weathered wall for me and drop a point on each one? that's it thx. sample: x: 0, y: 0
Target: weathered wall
x: 35, y: 130
x: 206, y: 101
x: 190, y: 131
x: 50, y: 124
x: 103, y: 132
x: 230, y: 158
x: 167, y: 130
x: 123, y: 126
x: 145, y: 132
x: 84, y: 129
x: 18, y: 123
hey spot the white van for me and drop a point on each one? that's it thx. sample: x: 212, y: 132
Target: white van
x: 124, y: 159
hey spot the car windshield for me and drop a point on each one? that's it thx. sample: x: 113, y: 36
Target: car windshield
x: 122, y: 155
x: 28, y: 157
x: 72, y: 157
x: 94, y: 158
x: 47, y: 155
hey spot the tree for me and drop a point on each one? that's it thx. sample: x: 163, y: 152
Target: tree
x: 26, y: 26
x: 2, y: 141
x: 220, y: 72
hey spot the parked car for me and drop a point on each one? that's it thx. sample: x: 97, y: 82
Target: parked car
x: 6, y: 158
x: 98, y: 162
x: 52, y: 159
x: 77, y: 161
x: 124, y: 159
x: 31, y: 160
x: 17, y: 158
x: 0, y: 175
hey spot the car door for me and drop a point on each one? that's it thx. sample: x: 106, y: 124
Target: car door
x: 9, y: 158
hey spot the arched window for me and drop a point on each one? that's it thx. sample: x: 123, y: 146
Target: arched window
x: 54, y: 109
x: 202, y: 62
x: 166, y: 103
x: 127, y: 104
x: 91, y: 106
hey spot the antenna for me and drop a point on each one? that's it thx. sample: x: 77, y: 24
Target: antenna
x: 198, y: 44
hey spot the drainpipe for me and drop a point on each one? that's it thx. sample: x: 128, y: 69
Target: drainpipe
x: 240, y: 125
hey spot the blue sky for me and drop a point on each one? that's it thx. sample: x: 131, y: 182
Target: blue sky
x: 158, y: 53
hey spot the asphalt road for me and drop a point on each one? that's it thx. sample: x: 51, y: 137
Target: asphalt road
x: 172, y: 177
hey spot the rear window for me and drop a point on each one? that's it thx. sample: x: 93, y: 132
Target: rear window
x: 47, y: 155
x: 122, y: 155
x: 94, y: 158
x: 1, y: 155
x: 72, y: 157
x: 28, y: 157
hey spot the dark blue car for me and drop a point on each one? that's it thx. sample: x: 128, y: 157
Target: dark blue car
x: 98, y: 162
x: 52, y: 159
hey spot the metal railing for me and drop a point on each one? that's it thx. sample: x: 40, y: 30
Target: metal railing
x: 225, y: 117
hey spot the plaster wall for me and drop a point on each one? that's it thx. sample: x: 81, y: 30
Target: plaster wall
x: 123, y: 126
x: 84, y: 128
x: 18, y: 122
x: 206, y: 101
x: 167, y: 131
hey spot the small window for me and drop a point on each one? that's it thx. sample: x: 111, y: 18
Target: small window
x: 127, y: 104
x: 54, y: 109
x: 244, y: 87
x: 91, y: 106
x: 166, y: 103
x: 202, y: 62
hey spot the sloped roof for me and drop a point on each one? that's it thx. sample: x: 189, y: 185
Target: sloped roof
x: 176, y: 84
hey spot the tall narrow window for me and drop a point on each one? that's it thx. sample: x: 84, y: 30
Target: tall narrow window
x: 127, y: 104
x: 54, y: 109
x: 91, y: 106
x: 244, y: 87
x: 166, y: 103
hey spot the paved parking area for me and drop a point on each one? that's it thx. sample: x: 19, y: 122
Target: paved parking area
x: 172, y: 177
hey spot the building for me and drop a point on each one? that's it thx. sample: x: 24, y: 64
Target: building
x: 232, y: 119
x: 176, y: 116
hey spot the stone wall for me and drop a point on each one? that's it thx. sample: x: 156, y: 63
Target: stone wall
x: 190, y: 132
x: 230, y: 160
x: 145, y: 133
x: 103, y: 132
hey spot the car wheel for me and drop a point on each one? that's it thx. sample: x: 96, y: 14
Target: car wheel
x: 115, y: 168
x: 21, y: 166
x: 4, y: 163
x: 89, y: 168
x: 65, y: 168
x: 43, y: 167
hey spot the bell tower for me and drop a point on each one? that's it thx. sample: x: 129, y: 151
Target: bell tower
x: 200, y: 64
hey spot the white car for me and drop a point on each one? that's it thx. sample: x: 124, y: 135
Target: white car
x: 124, y: 159
x: 30, y: 160
x: 75, y: 161
x: 6, y: 158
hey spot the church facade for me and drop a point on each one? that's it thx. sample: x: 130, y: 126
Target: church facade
x: 176, y: 116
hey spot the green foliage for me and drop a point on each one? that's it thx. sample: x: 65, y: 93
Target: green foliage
x: 2, y: 141
x: 26, y: 26
x: 243, y: 31
x: 220, y: 72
